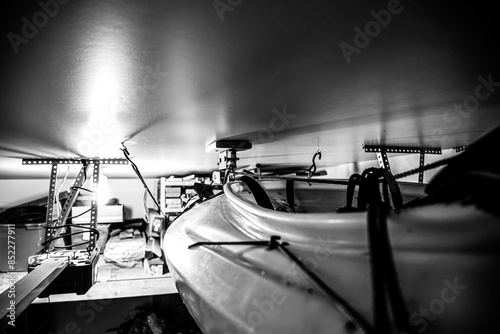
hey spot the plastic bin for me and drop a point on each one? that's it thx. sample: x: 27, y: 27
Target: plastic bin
x: 28, y: 241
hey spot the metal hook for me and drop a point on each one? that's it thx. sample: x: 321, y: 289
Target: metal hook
x: 312, y: 169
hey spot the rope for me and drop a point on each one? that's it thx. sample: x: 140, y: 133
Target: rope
x: 342, y: 306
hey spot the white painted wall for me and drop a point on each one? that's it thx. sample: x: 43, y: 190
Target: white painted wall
x: 128, y: 191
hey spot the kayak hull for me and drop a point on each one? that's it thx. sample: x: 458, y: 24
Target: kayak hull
x: 446, y: 257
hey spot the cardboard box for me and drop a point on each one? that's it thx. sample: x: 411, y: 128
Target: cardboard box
x: 105, y: 214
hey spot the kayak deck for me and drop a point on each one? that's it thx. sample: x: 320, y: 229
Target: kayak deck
x: 247, y: 288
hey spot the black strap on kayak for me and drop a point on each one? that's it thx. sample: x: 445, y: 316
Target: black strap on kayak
x: 258, y: 192
x: 369, y: 188
x: 342, y: 306
x: 388, y: 302
x: 290, y: 194
x: 391, y: 183
x: 354, y: 181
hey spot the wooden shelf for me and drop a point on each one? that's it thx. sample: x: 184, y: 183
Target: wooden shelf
x: 163, y: 285
x: 112, y: 282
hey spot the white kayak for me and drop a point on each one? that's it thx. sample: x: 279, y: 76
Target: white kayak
x: 441, y: 275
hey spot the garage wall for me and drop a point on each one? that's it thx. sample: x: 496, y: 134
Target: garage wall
x: 128, y: 191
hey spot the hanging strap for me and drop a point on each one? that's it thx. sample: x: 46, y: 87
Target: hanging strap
x: 388, y: 303
x: 258, y: 192
x: 290, y: 194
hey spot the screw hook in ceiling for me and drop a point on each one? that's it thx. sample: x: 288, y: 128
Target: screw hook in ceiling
x: 312, y: 169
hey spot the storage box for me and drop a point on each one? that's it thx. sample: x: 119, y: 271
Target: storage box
x: 28, y: 241
x: 105, y: 214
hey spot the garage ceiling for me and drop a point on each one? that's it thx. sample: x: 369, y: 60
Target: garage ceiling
x: 170, y: 77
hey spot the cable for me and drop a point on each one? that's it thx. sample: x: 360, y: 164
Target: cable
x: 145, y: 204
x: 89, y: 229
x: 80, y: 214
x: 139, y: 175
x: 81, y: 188
x: 72, y: 245
x: 69, y: 225
x: 424, y: 168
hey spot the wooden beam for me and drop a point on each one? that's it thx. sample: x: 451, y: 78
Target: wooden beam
x: 28, y: 288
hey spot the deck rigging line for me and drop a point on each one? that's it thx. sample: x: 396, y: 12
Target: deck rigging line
x: 347, y: 311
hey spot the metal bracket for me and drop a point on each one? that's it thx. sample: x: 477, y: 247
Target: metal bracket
x: 223, y: 145
x: 421, y: 164
x: 227, y: 158
x: 75, y: 161
x: 52, y: 221
x: 400, y: 149
x: 93, y: 203
x: 50, y: 202
x: 61, y: 220
x: 383, y: 160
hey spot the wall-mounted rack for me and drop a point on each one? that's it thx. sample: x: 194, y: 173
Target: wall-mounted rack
x: 383, y: 160
x: 66, y: 271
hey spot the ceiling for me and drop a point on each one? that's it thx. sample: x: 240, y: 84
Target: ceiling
x: 170, y: 77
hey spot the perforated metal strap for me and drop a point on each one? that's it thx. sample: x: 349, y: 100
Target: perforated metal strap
x: 75, y: 161
x: 93, y: 205
x: 50, y: 203
x: 383, y: 161
x: 421, y: 164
